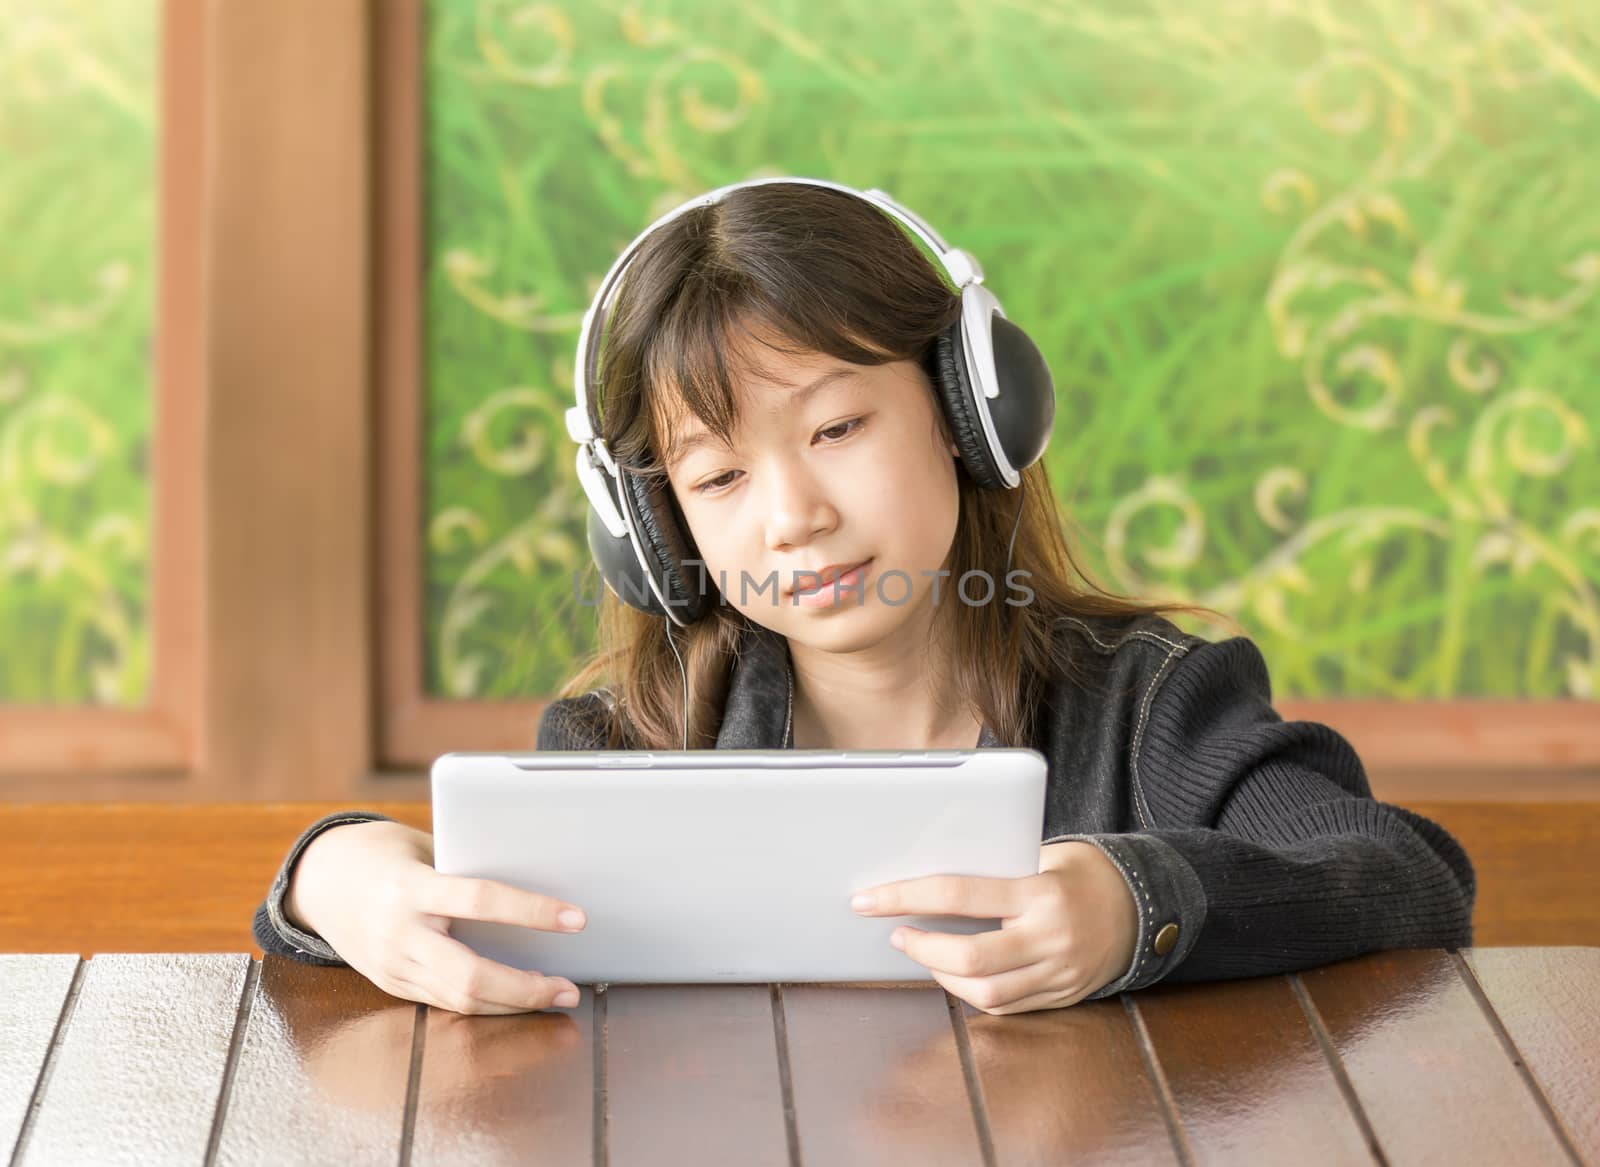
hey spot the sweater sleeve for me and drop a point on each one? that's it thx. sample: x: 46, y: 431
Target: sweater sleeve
x: 1261, y: 848
x: 272, y: 929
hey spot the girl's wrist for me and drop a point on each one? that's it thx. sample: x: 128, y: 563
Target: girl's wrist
x: 299, y: 898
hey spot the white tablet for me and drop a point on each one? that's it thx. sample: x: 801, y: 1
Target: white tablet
x: 729, y: 865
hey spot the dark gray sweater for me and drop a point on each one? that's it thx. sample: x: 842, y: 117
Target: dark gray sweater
x: 1251, y: 845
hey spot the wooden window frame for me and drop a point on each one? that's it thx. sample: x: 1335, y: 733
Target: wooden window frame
x: 44, y: 745
x: 414, y: 726
x: 263, y: 520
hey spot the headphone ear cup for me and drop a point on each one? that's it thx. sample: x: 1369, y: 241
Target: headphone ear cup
x: 949, y: 376
x: 619, y: 566
x: 666, y: 545
x: 1025, y: 412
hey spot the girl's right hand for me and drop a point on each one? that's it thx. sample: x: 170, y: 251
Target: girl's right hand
x: 370, y: 890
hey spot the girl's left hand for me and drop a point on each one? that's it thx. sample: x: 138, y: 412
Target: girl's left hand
x: 1064, y: 932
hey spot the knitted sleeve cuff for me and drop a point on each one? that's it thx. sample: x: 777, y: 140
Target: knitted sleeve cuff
x: 293, y: 941
x: 1171, y: 903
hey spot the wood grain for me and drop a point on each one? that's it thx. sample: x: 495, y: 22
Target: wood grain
x: 692, y: 1077
x: 1068, y: 1086
x: 171, y: 1058
x: 1536, y: 868
x: 517, y: 1090
x: 1425, y: 1063
x: 321, y: 1070
x: 1460, y: 733
x: 176, y: 877
x: 139, y: 878
x: 877, y: 1077
x: 287, y: 478
x: 1548, y: 1000
x: 1247, y: 1075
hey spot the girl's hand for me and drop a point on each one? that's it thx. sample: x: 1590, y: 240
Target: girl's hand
x: 370, y: 890
x: 1063, y: 934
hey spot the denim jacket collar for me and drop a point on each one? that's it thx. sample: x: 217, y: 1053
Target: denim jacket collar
x: 759, y: 712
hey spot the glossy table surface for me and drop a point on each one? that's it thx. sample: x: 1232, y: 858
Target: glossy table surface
x: 1489, y: 1055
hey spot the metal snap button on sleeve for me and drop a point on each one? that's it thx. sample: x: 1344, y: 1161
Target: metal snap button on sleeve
x: 1166, y: 939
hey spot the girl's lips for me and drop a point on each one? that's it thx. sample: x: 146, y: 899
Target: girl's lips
x: 847, y: 584
x: 810, y: 581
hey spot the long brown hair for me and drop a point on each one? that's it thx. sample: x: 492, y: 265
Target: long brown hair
x: 808, y: 269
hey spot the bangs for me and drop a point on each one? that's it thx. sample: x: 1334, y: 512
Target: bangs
x: 707, y: 344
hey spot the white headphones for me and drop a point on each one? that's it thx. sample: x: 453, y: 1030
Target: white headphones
x: 994, y: 384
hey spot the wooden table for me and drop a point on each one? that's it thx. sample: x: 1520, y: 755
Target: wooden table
x: 1490, y: 1055
x: 151, y: 877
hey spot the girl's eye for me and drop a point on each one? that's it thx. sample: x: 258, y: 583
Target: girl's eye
x: 840, y: 430
x: 848, y: 427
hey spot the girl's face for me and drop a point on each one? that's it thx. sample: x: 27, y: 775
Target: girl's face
x: 832, y: 465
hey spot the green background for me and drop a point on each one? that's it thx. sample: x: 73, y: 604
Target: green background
x: 77, y: 226
x: 1320, y: 287
x: 1318, y: 290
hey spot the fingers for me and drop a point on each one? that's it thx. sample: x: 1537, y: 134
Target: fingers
x: 461, y: 897
x: 1021, y: 990
x: 980, y: 955
x: 946, y: 895
x: 1050, y: 999
x: 454, y: 977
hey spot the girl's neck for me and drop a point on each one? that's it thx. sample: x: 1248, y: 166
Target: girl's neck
x: 956, y: 733
x: 893, y: 695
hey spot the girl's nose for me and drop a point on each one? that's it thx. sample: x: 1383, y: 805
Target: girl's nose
x: 798, y: 507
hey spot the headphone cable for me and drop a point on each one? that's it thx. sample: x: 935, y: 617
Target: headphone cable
x: 1022, y: 487
x: 685, y: 674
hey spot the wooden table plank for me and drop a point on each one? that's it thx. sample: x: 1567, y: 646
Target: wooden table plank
x: 147, y: 877
x: 1524, y: 855
x: 697, y: 1073
x: 1247, y: 1076
x: 1548, y: 999
x: 512, y: 1090
x: 321, y: 1072
x: 1429, y: 1071
x: 1068, y: 1086
x: 32, y: 992
x: 138, y: 1071
x: 692, y: 1076
x: 877, y: 1076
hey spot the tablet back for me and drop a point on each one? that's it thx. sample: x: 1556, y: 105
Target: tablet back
x: 722, y: 865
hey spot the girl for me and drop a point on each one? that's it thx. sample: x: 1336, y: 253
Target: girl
x: 817, y: 503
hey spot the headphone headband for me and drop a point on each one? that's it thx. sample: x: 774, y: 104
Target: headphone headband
x: 961, y: 267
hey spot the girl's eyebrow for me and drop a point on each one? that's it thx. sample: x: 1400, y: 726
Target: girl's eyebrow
x: 806, y: 392
x: 685, y: 444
